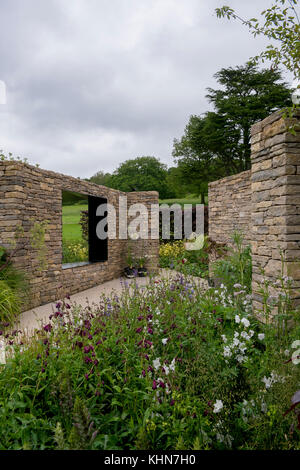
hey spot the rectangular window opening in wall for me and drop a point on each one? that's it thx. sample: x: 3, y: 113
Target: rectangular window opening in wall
x: 81, y: 215
x: 98, y: 237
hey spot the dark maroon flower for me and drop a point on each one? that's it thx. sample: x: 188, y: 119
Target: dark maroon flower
x: 144, y: 373
x: 147, y: 357
x: 48, y: 328
x: 220, y: 320
x: 98, y: 343
x: 149, y: 317
x: 205, y: 413
x: 140, y: 318
x: 68, y: 306
x: 172, y: 402
x: 43, y: 370
x: 150, y: 331
x: 150, y: 369
x: 1, y: 333
x: 154, y: 385
x: 38, y: 356
x: 86, y: 376
x: 68, y: 297
x: 87, y: 360
x: 162, y: 384
x: 96, y: 362
x: 139, y: 330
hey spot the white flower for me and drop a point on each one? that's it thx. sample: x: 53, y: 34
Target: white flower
x: 245, y: 322
x: 164, y: 341
x: 240, y: 358
x: 218, y: 406
x: 172, y: 365
x: 237, y: 286
x: 261, y: 336
x: 227, y: 352
x: 237, y: 319
x: 245, y: 335
x: 156, y: 363
x: 267, y: 382
x: 224, y: 338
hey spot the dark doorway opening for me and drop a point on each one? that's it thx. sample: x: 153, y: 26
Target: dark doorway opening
x: 98, y: 246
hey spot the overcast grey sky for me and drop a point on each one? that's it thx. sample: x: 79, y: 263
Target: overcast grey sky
x: 92, y: 83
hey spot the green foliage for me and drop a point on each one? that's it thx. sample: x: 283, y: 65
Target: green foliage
x: 218, y: 144
x: 75, y: 251
x: 37, y: 236
x: 10, y: 304
x: 10, y: 158
x: 236, y: 267
x: 141, y: 174
x: 150, y: 370
x: 101, y: 178
x: 279, y: 24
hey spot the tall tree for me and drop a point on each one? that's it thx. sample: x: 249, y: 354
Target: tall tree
x: 218, y: 143
x: 248, y: 95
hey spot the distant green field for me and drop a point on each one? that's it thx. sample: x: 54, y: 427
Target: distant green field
x: 182, y: 201
x: 71, y: 219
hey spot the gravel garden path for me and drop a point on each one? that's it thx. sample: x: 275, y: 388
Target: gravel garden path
x: 32, y: 319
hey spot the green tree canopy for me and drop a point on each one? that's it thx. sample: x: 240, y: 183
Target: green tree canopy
x: 101, y: 178
x: 141, y: 174
x: 217, y: 143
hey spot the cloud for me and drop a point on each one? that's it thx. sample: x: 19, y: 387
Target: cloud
x: 93, y: 83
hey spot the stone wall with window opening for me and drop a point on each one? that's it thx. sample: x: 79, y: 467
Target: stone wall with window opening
x: 29, y: 195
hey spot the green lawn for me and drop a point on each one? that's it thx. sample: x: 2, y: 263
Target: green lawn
x: 71, y: 219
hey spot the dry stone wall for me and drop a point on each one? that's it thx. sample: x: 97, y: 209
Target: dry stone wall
x: 264, y: 204
x: 29, y: 195
x: 229, y: 204
x: 275, y: 185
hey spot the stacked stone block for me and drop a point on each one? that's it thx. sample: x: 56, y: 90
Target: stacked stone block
x: 275, y: 185
x: 229, y: 203
x: 28, y: 195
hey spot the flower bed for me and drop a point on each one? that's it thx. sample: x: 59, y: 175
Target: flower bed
x: 170, y: 367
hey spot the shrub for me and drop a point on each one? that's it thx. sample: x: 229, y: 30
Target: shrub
x: 236, y: 266
x: 10, y: 304
x: 75, y: 251
x: 166, y: 366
